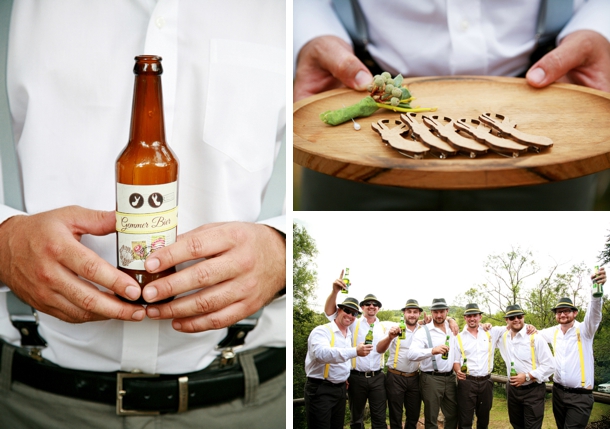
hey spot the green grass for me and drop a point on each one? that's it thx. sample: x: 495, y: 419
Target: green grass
x: 498, y: 416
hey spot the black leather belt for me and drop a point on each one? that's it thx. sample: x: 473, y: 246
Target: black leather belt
x: 367, y: 374
x: 443, y: 374
x: 156, y: 393
x: 320, y: 381
x: 573, y: 389
x: 473, y: 377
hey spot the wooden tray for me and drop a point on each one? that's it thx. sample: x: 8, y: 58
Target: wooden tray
x: 576, y: 118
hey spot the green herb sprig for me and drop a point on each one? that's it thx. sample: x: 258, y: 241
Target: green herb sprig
x: 385, y: 92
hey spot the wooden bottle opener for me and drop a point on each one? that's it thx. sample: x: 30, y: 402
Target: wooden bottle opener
x: 509, y: 128
x: 426, y: 136
x: 483, y: 134
x: 394, y: 137
x: 449, y: 134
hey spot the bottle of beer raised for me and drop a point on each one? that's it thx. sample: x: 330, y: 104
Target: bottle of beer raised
x: 445, y: 355
x: 598, y: 289
x: 403, y: 328
x: 346, y: 281
x: 146, y: 179
x: 369, y: 335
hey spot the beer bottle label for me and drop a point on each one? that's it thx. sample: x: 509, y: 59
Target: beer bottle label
x: 146, y: 220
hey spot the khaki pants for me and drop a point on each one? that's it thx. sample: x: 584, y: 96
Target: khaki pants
x: 22, y: 407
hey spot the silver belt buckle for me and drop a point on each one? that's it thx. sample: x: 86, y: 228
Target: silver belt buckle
x: 120, y: 393
x: 366, y: 374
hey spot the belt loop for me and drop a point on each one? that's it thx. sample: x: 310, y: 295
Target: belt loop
x: 251, y: 381
x: 183, y: 394
x: 7, y: 366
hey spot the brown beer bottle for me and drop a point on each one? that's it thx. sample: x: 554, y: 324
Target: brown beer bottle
x: 146, y: 180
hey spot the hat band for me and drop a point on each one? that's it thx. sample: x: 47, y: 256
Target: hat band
x: 473, y: 309
x: 565, y: 304
x: 508, y: 313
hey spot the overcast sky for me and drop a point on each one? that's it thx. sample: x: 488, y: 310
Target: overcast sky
x: 398, y: 256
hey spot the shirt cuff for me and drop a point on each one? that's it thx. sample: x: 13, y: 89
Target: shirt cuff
x: 278, y: 223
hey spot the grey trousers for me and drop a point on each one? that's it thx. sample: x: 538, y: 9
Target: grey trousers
x: 22, y: 407
x: 439, y: 392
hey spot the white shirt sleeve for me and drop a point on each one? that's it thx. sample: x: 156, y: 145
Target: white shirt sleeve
x: 545, y: 365
x: 590, y: 15
x: 315, y: 18
x: 593, y: 318
x: 419, y: 349
x: 319, y: 343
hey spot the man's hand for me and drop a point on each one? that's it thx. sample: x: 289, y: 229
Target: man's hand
x: 41, y: 259
x: 425, y: 319
x: 325, y: 63
x: 364, y: 349
x: 600, y: 277
x: 439, y: 350
x: 529, y: 329
x: 486, y: 326
x: 339, y: 284
x: 517, y: 380
x: 457, y: 368
x: 394, y: 332
x: 245, y: 267
x: 582, y: 57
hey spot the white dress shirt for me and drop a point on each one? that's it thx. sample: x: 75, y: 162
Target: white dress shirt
x: 70, y: 85
x: 446, y: 37
x: 478, y: 350
x: 402, y: 362
x: 320, y: 352
x: 421, y: 351
x: 518, y: 349
x: 373, y: 361
x: 566, y: 351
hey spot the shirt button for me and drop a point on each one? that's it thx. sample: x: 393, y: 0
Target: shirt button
x: 160, y: 22
x: 465, y: 25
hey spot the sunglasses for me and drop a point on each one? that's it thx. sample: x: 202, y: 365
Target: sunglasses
x: 566, y: 311
x: 370, y: 303
x: 511, y: 318
x: 350, y: 312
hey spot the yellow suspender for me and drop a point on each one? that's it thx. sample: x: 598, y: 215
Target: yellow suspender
x: 396, y: 351
x: 459, y: 338
x: 582, y: 358
x: 382, y: 354
x: 489, y: 354
x: 332, y: 344
x: 533, y: 354
x: 531, y: 345
x: 356, y: 341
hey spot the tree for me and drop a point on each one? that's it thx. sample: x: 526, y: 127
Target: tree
x: 304, y: 276
x: 506, y: 274
x: 604, y: 255
x: 304, y: 279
